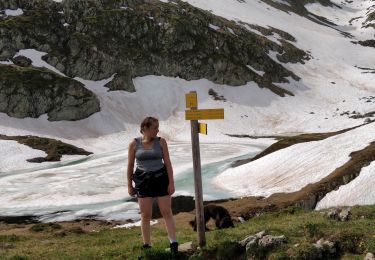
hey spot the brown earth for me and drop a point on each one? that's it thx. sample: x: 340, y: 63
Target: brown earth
x: 54, y: 148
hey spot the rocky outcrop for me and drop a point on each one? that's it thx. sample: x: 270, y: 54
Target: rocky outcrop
x: 97, y: 39
x: 52, y: 147
x: 22, y: 61
x: 31, y: 92
x: 368, y: 43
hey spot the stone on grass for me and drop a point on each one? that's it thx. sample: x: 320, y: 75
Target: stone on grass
x: 187, y: 247
x: 269, y: 241
x: 262, y: 240
x: 341, y: 214
x: 369, y: 256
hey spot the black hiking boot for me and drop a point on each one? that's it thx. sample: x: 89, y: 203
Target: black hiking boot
x: 143, y: 248
x: 174, y: 250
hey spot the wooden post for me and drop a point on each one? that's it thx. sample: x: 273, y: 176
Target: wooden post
x: 194, y: 114
x: 199, y: 212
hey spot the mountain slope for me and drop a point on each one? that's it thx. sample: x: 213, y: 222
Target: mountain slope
x: 280, y: 67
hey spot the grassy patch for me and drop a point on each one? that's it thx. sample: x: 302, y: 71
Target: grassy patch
x: 302, y: 229
x: 45, y: 227
x: 10, y: 238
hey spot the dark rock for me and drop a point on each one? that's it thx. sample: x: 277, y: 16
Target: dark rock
x: 215, y: 95
x: 368, y: 43
x: 22, y: 61
x: 121, y: 82
x: 18, y: 219
x: 146, y: 38
x: 31, y: 92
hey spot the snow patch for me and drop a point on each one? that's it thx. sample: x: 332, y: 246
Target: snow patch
x: 16, y: 12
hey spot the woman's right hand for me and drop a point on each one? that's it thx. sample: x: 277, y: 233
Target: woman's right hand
x: 131, y: 191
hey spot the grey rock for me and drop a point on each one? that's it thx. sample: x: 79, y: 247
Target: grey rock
x: 247, y: 240
x: 121, y: 82
x: 323, y: 245
x: 241, y: 219
x: 262, y: 240
x: 333, y: 213
x: 338, y: 213
x: 260, y: 234
x: 187, y: 247
x: 369, y: 256
x: 269, y: 241
x: 325, y: 248
x: 251, y: 243
x: 344, y: 215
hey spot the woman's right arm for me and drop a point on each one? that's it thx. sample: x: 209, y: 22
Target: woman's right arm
x: 131, y: 158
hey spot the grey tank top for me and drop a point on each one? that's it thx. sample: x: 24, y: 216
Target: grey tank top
x: 148, y: 159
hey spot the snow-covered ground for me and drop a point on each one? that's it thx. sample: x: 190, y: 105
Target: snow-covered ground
x: 360, y: 191
x: 331, y: 83
x: 97, y: 185
x: 292, y: 168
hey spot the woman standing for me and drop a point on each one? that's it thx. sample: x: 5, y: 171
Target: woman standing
x: 153, y: 178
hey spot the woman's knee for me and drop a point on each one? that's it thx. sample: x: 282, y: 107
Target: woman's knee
x: 166, y: 213
x: 146, y: 216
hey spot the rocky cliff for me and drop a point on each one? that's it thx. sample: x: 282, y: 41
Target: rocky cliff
x: 31, y: 92
x: 97, y: 39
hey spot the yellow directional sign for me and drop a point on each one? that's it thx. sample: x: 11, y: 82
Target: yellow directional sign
x: 204, y: 114
x: 203, y: 128
x: 191, y: 99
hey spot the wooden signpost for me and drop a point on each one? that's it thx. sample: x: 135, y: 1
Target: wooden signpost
x: 194, y: 114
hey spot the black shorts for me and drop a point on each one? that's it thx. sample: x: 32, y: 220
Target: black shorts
x: 151, y: 184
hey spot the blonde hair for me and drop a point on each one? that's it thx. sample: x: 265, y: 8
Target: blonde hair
x: 147, y: 122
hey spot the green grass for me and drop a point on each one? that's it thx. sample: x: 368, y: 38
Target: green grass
x: 302, y: 228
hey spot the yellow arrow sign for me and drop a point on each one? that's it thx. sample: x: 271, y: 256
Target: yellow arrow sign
x: 204, y: 114
x: 191, y: 100
x: 203, y: 128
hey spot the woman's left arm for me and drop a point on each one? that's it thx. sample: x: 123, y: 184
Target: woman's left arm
x: 168, y: 165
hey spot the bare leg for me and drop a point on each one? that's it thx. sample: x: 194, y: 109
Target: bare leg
x: 164, y: 204
x: 145, y: 205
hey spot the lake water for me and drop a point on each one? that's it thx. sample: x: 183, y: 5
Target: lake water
x: 96, y: 186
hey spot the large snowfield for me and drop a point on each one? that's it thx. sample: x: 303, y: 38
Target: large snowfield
x: 332, y: 82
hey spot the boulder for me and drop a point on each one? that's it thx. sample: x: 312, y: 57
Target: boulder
x: 369, y: 256
x: 32, y: 92
x: 338, y: 213
x: 187, y: 247
x: 269, y: 241
x: 262, y: 240
x: 326, y: 245
x: 22, y: 61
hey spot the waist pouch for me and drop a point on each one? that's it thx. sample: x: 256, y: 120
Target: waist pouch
x: 143, y: 180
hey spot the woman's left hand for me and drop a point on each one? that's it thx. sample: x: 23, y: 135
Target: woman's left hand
x: 171, y: 188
